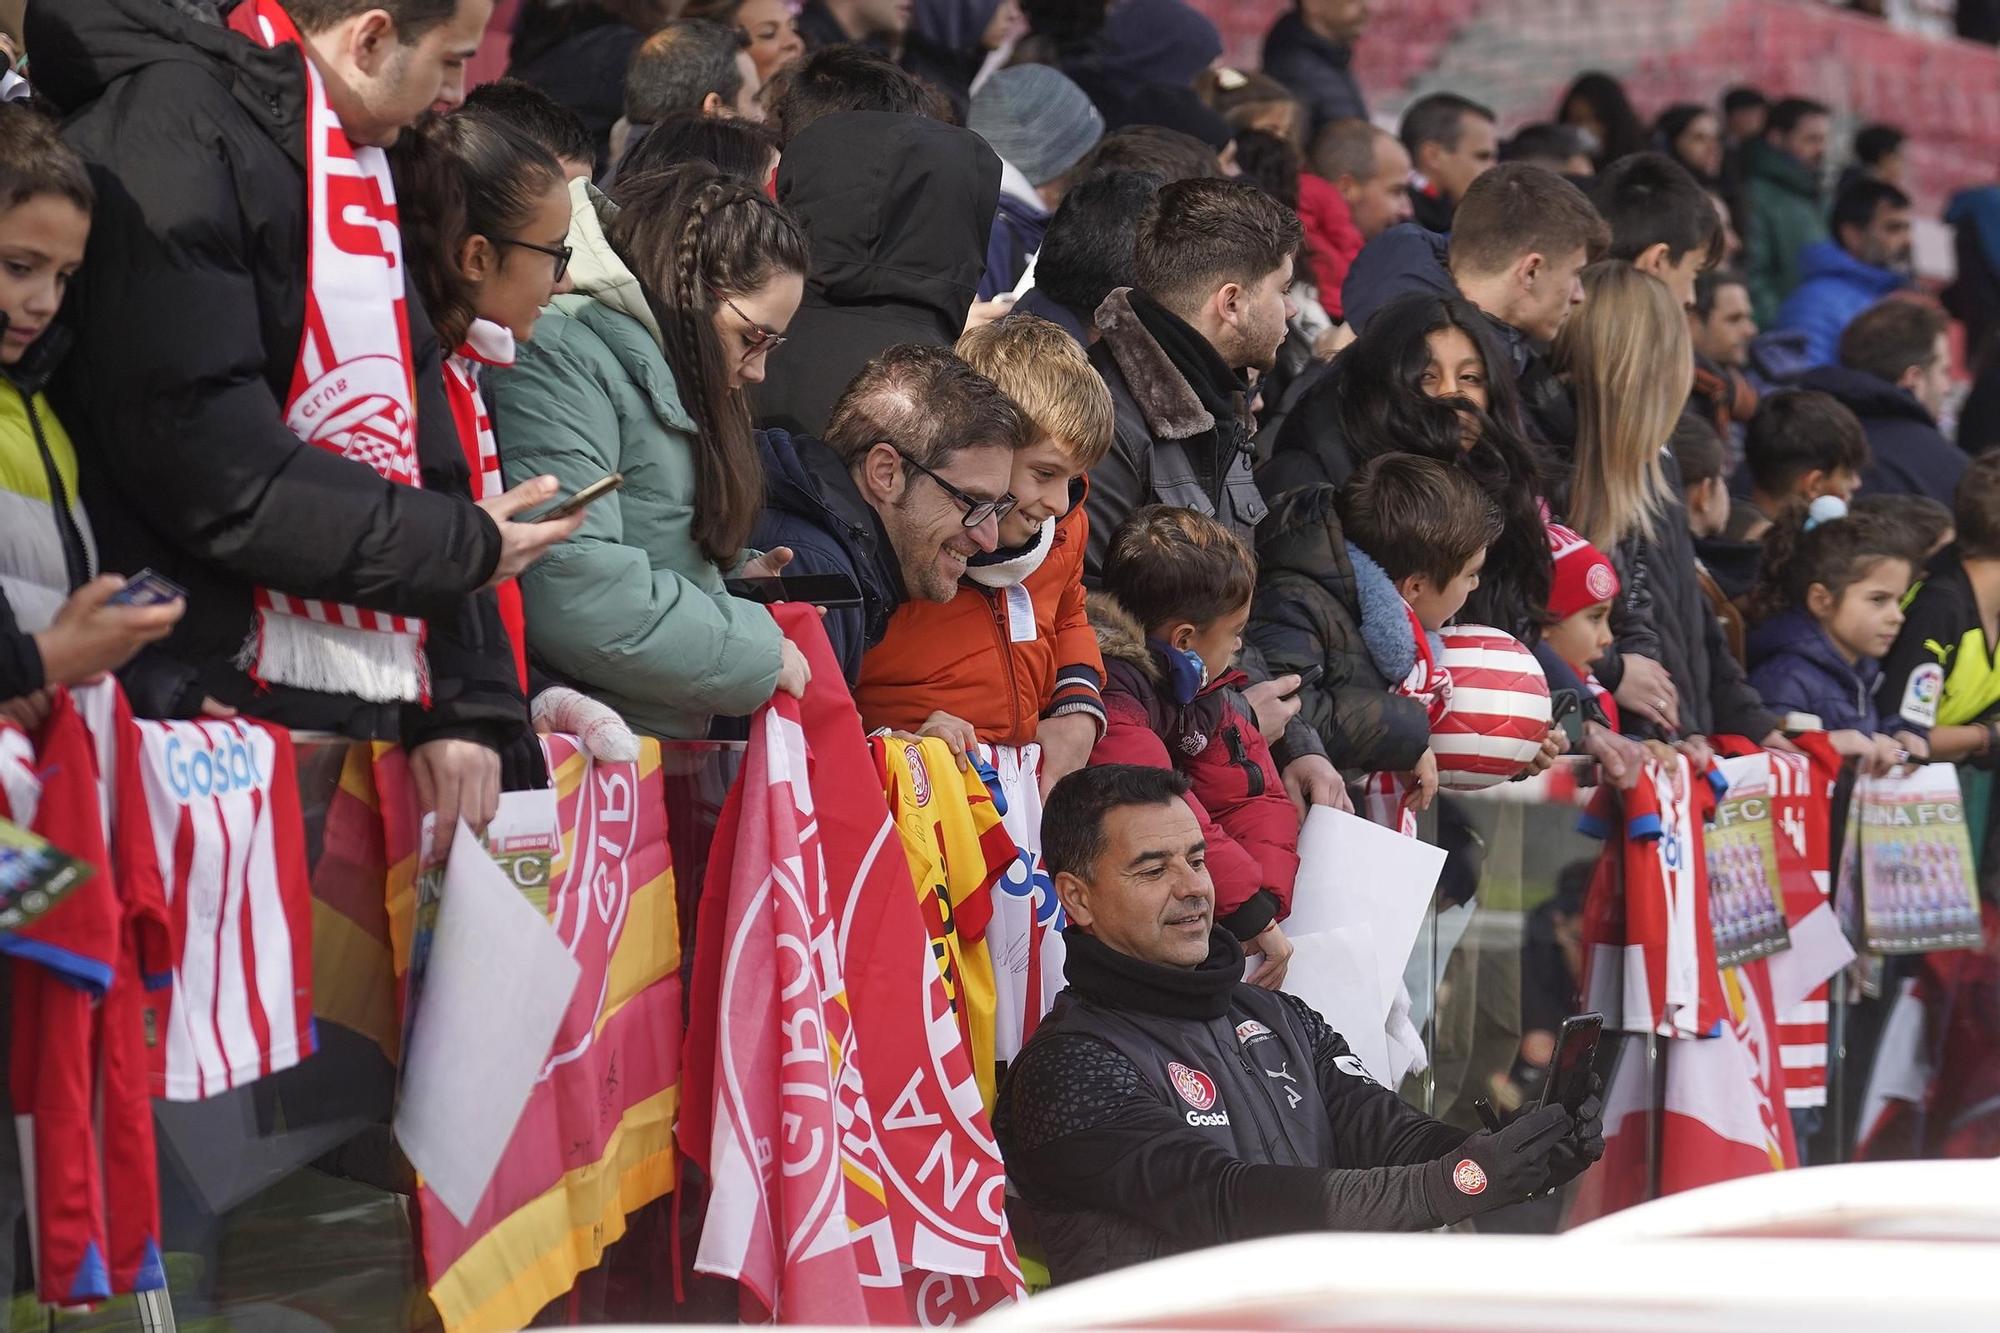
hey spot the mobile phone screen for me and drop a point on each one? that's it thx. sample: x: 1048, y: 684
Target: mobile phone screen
x: 1569, y: 1071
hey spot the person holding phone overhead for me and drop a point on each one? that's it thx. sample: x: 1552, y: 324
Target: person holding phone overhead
x: 684, y: 282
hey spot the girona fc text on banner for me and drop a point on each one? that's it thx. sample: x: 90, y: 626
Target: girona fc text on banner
x: 830, y: 1096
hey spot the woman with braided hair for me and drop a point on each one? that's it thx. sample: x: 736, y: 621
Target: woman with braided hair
x: 684, y: 281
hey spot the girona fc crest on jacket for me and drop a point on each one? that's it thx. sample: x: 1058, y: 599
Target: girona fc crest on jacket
x: 1195, y: 1088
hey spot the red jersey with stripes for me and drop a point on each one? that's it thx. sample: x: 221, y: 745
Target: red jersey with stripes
x: 228, y: 834
x: 78, y: 1068
x: 1649, y: 946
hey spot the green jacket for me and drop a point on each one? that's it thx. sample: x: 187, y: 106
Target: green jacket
x: 629, y: 609
x: 1784, y: 215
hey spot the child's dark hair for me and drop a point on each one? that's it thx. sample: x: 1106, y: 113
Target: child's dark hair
x: 1925, y: 520
x: 1975, y: 507
x: 1836, y: 554
x: 1697, y: 449
x: 1416, y: 515
x: 34, y: 160
x: 1172, y: 566
x: 457, y: 177
x: 1800, y: 431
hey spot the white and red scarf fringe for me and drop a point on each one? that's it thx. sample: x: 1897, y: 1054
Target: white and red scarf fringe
x: 486, y: 344
x: 352, y: 393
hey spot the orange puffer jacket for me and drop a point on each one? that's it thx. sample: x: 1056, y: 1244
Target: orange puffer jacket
x: 999, y: 658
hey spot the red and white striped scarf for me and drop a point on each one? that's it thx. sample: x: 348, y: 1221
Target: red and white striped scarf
x: 352, y: 392
x: 486, y: 344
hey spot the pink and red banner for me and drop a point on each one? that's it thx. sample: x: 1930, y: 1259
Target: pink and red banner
x: 830, y: 1097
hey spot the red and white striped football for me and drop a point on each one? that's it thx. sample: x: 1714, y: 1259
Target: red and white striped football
x: 1499, y: 712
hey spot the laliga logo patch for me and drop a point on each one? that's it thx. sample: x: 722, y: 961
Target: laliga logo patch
x: 1469, y: 1177
x: 1195, y: 1088
x: 1599, y: 583
x: 920, y: 776
x: 1920, y: 696
x: 1350, y: 1065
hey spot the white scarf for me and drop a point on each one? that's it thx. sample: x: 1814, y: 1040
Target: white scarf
x: 352, y: 393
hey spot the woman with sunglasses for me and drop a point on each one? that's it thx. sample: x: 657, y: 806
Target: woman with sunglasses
x: 484, y: 214
x: 685, y: 280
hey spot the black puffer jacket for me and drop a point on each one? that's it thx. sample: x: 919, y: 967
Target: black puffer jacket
x: 188, y: 311
x: 1311, y: 609
x: 1687, y: 639
x: 898, y: 209
x: 1161, y: 1109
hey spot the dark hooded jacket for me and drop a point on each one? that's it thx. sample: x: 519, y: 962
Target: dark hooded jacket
x: 189, y: 310
x: 1796, y: 668
x: 1183, y: 430
x: 1910, y: 456
x: 1318, y: 606
x: 812, y: 505
x: 898, y: 209
x: 1162, y: 1109
x: 1319, y: 72
x: 578, y: 54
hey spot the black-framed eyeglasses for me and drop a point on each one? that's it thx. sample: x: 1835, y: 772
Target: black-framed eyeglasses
x: 756, y: 338
x: 977, y: 511
x: 559, y: 253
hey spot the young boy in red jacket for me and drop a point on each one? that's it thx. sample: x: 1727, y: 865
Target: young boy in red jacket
x: 1169, y: 622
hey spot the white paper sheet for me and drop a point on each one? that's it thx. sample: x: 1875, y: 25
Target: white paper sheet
x: 1334, y: 972
x: 1819, y: 949
x: 1355, y: 873
x: 498, y: 983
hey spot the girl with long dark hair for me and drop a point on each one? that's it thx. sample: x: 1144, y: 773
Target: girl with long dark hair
x: 685, y: 281
x: 1597, y: 104
x: 485, y: 213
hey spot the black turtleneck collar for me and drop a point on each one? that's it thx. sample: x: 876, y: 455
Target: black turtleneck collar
x: 1117, y: 980
x: 1221, y: 390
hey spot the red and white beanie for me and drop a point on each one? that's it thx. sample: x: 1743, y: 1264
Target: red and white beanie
x: 1583, y: 575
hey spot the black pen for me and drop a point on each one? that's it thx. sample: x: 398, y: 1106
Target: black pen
x: 1487, y: 1116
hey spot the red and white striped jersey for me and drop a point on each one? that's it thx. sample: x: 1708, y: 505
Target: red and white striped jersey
x: 1801, y: 797
x: 229, y: 836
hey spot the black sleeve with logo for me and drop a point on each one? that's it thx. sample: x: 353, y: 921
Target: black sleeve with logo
x: 1081, y: 1131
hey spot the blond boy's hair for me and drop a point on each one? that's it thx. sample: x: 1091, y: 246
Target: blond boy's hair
x: 1044, y: 371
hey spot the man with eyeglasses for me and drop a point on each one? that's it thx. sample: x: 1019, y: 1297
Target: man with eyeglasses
x: 909, y: 483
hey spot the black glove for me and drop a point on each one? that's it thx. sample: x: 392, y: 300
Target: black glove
x: 1493, y: 1169
x: 1584, y: 1144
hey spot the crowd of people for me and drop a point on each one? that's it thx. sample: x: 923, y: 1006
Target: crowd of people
x: 1153, y: 412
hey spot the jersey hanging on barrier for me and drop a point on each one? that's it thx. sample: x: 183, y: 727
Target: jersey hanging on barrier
x: 78, y: 1069
x: 957, y: 847
x: 229, y: 838
x: 1649, y: 945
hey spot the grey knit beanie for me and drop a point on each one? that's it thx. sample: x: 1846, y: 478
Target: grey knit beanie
x: 1034, y: 117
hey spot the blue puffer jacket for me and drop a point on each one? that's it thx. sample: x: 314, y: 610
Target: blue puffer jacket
x: 1834, y: 287
x: 1796, y: 668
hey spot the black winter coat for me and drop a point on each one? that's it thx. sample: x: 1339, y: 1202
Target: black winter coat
x: 578, y: 54
x: 1315, y: 69
x: 1162, y: 1109
x: 188, y: 311
x: 811, y: 505
x: 1688, y: 640
x: 1311, y: 610
x: 1911, y: 456
x: 898, y: 209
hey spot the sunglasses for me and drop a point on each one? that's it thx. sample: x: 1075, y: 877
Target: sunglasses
x: 977, y: 511
x: 559, y: 253
x: 756, y: 338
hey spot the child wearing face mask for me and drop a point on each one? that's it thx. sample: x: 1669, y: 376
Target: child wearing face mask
x: 1828, y: 608
x: 1177, y: 588
x: 1011, y: 660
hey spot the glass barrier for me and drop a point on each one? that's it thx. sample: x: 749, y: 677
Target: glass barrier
x: 284, y: 1202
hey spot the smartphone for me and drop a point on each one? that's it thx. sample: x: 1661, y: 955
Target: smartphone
x: 147, y: 589
x: 835, y: 592
x: 1570, y: 1070
x: 1310, y: 676
x: 597, y: 490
